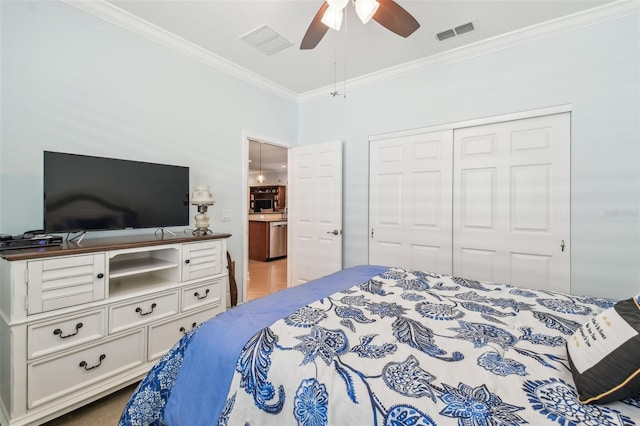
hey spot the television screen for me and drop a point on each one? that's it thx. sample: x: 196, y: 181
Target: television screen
x: 262, y: 204
x: 84, y: 193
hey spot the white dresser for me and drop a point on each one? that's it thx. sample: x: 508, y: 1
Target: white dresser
x: 78, y: 322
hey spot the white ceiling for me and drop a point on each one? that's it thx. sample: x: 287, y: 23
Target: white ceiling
x: 270, y: 157
x: 217, y: 25
x: 357, y: 50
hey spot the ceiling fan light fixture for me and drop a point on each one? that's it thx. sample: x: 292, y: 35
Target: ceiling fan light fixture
x: 366, y: 9
x: 332, y: 18
x: 261, y: 177
x: 338, y: 4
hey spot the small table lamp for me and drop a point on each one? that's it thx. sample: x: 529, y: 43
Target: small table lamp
x: 202, y: 198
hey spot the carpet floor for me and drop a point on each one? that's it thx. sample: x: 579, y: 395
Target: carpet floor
x: 103, y: 412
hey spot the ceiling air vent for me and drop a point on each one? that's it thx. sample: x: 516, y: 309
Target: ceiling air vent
x: 454, y: 32
x: 464, y: 28
x: 445, y: 35
x: 266, y: 40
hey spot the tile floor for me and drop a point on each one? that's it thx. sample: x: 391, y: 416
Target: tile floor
x: 266, y: 277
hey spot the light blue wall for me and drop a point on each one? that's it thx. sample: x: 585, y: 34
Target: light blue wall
x: 72, y: 82
x: 595, y: 69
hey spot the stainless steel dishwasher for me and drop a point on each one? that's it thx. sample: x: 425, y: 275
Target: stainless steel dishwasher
x: 277, y: 240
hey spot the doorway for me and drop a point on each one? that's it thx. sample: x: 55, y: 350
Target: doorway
x: 266, y: 251
x: 266, y: 277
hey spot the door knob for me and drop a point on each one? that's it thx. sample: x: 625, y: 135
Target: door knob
x: 334, y: 232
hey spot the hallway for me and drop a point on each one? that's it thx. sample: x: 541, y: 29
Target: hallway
x: 266, y: 277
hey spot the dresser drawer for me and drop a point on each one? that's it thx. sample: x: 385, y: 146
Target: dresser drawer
x: 163, y: 336
x: 202, y: 294
x: 53, y: 378
x: 67, y: 332
x: 142, y: 311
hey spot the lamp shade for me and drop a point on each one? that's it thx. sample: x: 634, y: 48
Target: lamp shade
x: 201, y: 196
x: 332, y: 18
x: 366, y: 9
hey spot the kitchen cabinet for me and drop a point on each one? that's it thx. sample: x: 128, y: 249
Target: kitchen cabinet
x: 267, y: 239
x: 275, y: 196
x: 258, y: 240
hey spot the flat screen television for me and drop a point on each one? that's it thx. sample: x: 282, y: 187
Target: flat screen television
x: 85, y: 193
x: 262, y: 204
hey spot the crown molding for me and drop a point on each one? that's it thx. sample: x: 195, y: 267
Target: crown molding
x: 550, y: 28
x: 113, y: 14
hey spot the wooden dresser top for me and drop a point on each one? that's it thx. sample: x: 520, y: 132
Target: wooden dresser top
x: 104, y: 244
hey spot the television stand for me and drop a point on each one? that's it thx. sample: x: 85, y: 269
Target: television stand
x: 80, y: 235
x: 78, y: 323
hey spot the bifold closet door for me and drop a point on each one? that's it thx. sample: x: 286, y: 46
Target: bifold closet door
x: 410, y: 202
x: 511, y: 208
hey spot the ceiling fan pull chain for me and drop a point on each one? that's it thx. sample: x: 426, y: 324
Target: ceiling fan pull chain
x: 344, y: 52
x: 335, y: 70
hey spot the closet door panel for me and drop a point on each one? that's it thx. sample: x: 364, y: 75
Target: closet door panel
x: 389, y: 200
x: 477, y: 264
x: 512, y: 199
x: 478, y: 200
x: 410, y: 202
x: 531, y: 204
x: 425, y: 190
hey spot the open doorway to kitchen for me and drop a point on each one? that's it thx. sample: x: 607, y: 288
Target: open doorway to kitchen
x: 267, y: 218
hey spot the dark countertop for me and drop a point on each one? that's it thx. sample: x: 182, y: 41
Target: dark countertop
x: 91, y: 245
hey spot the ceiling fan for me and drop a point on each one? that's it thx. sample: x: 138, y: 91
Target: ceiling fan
x: 387, y: 13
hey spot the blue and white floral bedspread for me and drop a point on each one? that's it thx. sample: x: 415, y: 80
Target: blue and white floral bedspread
x: 412, y: 348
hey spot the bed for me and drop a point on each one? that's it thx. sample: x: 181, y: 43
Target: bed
x: 380, y: 346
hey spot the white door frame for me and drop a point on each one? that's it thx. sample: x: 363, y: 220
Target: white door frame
x: 476, y: 122
x: 246, y: 136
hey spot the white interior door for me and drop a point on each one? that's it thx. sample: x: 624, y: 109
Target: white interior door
x: 511, y: 207
x: 410, y: 202
x: 315, y: 211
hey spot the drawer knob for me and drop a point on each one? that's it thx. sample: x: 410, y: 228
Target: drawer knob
x: 206, y: 293
x: 58, y: 332
x: 84, y: 363
x: 100, y: 275
x: 139, y: 310
x: 184, y: 330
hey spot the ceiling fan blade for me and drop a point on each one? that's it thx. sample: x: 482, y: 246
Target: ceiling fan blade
x: 395, y: 18
x: 316, y: 30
